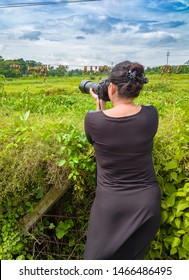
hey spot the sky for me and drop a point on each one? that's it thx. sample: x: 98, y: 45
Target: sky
x: 96, y: 33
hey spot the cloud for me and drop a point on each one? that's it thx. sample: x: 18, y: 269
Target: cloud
x: 167, y: 40
x: 96, y: 32
x: 169, y: 24
x: 32, y: 36
x: 167, y: 6
x: 89, y: 30
x: 151, y: 26
x: 161, y: 39
x: 80, y: 37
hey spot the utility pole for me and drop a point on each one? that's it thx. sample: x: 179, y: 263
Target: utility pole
x: 168, y: 54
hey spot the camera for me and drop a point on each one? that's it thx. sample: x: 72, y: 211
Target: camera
x: 101, y: 88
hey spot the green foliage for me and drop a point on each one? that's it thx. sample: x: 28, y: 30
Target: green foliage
x: 79, y: 157
x: 63, y: 227
x: 42, y: 144
x: 13, y: 246
x: 11, y: 72
x: 171, y: 158
x: 2, y: 90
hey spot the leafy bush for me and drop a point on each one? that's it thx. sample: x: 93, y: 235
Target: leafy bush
x: 171, y: 155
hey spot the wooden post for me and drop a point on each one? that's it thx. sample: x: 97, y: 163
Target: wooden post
x: 43, y: 206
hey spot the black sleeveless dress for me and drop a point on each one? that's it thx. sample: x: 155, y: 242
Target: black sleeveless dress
x: 126, y: 212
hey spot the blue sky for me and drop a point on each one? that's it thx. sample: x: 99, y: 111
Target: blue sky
x: 96, y: 33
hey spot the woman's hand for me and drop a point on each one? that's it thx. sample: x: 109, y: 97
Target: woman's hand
x: 100, y: 104
x: 93, y: 94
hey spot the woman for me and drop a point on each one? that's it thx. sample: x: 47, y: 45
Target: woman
x: 125, y: 215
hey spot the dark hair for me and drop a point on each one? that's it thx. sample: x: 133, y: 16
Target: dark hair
x: 128, y: 77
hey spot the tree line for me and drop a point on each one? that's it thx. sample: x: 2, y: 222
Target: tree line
x: 17, y: 68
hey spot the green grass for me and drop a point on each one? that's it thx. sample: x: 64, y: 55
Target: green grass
x: 42, y: 139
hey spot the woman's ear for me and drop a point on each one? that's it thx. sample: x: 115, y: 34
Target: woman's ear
x: 112, y: 89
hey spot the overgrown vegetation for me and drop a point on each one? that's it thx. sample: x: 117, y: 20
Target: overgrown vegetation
x: 42, y: 144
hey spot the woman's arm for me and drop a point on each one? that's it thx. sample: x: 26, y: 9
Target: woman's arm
x: 100, y: 104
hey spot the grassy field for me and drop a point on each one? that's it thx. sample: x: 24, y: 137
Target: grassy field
x: 42, y: 145
x: 61, y: 96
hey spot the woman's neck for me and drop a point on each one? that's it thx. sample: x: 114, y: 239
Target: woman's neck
x: 122, y: 102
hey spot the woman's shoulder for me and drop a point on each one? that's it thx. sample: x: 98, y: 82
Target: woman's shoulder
x: 150, y: 111
x: 150, y: 107
x: 93, y: 113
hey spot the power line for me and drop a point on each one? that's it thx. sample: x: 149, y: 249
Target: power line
x: 18, y: 5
